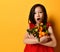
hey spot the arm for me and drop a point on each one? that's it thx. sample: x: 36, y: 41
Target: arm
x: 51, y: 43
x: 28, y: 40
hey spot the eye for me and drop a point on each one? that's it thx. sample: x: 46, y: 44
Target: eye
x: 34, y: 13
x: 40, y: 12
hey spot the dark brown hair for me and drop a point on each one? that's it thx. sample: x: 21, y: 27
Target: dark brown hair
x: 32, y: 11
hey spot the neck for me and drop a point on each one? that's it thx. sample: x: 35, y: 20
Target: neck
x: 38, y: 23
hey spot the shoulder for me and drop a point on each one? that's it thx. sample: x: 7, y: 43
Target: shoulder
x: 31, y: 25
x: 50, y: 29
x: 48, y: 24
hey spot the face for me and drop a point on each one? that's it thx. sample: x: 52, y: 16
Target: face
x: 38, y: 16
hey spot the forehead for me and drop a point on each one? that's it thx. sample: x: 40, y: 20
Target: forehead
x: 38, y: 9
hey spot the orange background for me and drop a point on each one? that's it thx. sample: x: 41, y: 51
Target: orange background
x: 14, y: 22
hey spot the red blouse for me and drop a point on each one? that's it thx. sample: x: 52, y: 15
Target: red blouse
x: 37, y: 47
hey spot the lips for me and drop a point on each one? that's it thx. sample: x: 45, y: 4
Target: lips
x: 38, y: 19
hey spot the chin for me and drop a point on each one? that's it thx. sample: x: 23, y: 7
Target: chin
x: 37, y: 22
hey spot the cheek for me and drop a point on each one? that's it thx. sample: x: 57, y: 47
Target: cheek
x: 41, y: 15
x: 35, y: 17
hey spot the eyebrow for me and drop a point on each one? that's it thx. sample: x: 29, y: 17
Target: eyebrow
x: 39, y: 11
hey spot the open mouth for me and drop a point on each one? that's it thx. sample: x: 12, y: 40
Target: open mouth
x: 38, y: 19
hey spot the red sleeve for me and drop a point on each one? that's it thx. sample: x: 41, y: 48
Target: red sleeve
x: 31, y: 25
x: 48, y: 24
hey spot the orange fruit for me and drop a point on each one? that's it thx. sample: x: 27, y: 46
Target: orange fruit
x: 40, y: 36
x: 43, y: 33
x: 41, y: 28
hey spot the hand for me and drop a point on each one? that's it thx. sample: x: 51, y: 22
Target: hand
x: 31, y: 36
x: 44, y: 39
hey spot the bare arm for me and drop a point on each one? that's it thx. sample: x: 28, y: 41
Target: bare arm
x: 53, y: 42
x: 30, y: 40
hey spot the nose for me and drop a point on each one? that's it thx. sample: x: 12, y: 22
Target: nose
x: 38, y: 15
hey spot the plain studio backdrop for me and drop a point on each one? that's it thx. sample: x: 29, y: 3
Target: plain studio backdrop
x: 14, y: 22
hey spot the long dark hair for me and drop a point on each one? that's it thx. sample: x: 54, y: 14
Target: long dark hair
x: 32, y: 11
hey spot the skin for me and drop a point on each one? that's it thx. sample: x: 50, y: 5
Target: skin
x: 38, y: 14
x: 30, y: 39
